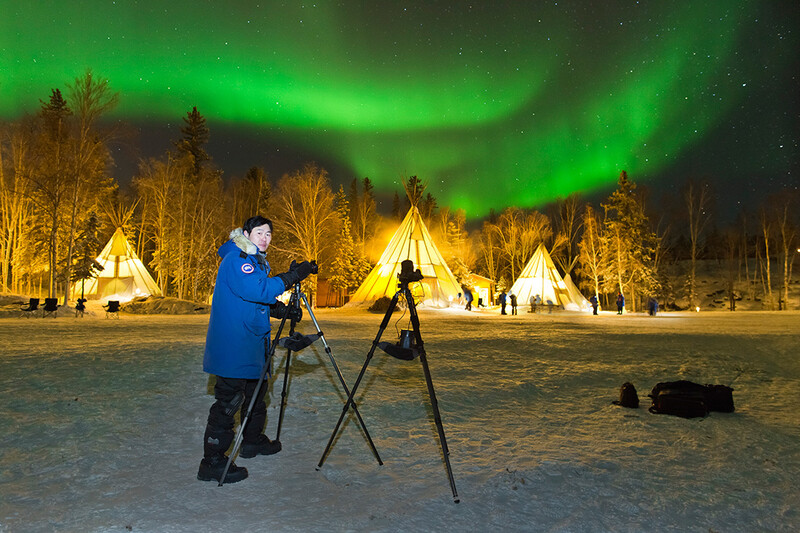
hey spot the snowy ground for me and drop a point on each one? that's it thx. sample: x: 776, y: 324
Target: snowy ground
x: 102, y: 424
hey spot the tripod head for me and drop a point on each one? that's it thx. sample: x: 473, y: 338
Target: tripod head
x: 408, y: 274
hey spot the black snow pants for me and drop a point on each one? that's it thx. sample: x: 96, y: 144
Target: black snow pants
x: 232, y: 395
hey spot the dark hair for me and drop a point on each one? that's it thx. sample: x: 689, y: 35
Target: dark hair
x: 254, y: 222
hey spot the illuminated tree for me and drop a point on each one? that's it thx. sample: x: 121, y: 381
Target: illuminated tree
x: 628, y: 245
x: 348, y: 267
x: 15, y: 204
x: 517, y: 234
x: 50, y: 175
x: 92, y: 98
x: 489, y: 248
x: 567, y: 222
x: 591, y: 251
x: 305, y: 204
x: 87, y: 248
x: 363, y: 215
x: 155, y: 186
x: 451, y: 227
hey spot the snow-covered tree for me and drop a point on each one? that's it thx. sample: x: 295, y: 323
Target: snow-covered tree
x: 628, y: 244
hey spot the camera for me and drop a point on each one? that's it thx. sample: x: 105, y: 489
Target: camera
x: 314, y: 267
x: 407, y: 273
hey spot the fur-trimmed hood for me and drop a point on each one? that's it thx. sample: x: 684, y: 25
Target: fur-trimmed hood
x: 238, y: 242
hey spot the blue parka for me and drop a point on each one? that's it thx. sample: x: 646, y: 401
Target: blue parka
x: 239, y: 324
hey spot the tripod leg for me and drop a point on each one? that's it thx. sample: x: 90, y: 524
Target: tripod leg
x: 240, y: 433
x: 352, y: 394
x: 341, y: 377
x: 294, y: 301
x: 434, y: 404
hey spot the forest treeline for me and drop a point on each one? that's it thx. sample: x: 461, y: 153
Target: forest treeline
x: 59, y: 205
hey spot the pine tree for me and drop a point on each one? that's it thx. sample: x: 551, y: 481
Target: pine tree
x: 195, y: 137
x: 628, y: 244
x: 341, y: 266
x: 51, y: 178
x: 87, y: 248
x: 396, y: 207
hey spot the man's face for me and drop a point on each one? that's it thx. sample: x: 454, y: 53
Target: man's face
x: 261, y: 236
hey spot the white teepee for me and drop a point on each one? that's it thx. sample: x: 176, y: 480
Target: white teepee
x: 540, y: 277
x: 123, y: 277
x: 412, y: 240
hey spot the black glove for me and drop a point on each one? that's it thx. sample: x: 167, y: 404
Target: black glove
x: 296, y: 273
x: 278, y: 310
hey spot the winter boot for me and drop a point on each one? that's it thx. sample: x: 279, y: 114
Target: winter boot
x: 211, y: 469
x: 261, y: 446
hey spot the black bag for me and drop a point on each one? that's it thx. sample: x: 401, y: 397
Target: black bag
x: 719, y: 398
x: 627, y: 396
x: 689, y: 400
x: 680, y: 398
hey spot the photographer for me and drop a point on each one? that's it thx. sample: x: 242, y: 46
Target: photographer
x: 236, y: 343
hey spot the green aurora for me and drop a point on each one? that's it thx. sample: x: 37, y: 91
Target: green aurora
x: 493, y: 105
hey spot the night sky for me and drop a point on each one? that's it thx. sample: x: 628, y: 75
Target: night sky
x: 493, y: 104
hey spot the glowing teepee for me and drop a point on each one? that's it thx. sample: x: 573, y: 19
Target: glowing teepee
x: 123, y: 277
x: 412, y: 240
x: 540, y: 277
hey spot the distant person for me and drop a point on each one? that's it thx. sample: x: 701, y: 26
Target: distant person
x: 620, y: 303
x: 594, y: 302
x: 468, y: 298
x: 652, y: 307
x: 513, y: 298
x: 532, y: 301
x: 236, y: 343
x: 503, y: 303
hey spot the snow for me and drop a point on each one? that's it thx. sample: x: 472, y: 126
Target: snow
x: 102, y: 423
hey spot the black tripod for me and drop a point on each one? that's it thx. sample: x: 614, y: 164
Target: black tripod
x: 407, y: 349
x: 294, y: 342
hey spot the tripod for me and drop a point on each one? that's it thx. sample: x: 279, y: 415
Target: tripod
x: 294, y: 342
x: 405, y: 350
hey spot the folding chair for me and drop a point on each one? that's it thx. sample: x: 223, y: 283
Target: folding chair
x: 33, y: 306
x: 112, y: 309
x: 50, y: 307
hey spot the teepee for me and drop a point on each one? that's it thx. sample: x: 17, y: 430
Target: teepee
x: 540, y: 277
x: 123, y: 277
x: 412, y: 240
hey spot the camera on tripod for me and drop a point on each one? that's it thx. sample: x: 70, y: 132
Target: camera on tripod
x: 407, y: 273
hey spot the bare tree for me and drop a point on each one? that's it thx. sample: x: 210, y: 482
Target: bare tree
x: 17, y: 206
x: 567, y: 229
x: 489, y: 247
x: 784, y: 207
x: 697, y: 198
x: 306, y: 207
x: 766, y: 221
x: 156, y: 186
x: 91, y: 99
x: 250, y: 195
x: 591, y: 253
